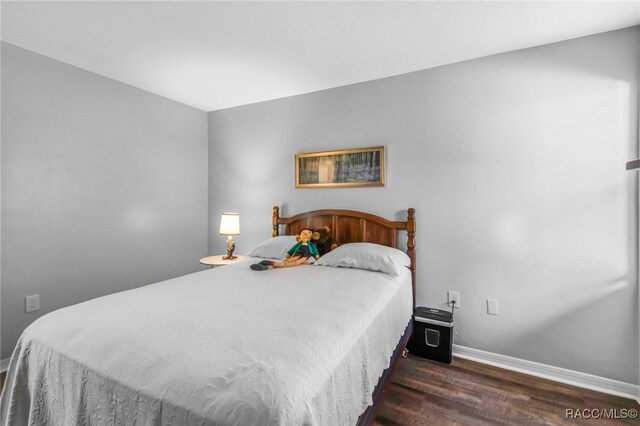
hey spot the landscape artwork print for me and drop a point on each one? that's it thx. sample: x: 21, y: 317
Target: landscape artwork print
x: 343, y: 168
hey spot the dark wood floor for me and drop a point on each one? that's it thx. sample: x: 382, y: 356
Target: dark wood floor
x: 423, y: 392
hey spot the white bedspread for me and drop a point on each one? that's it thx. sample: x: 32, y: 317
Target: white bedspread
x: 303, y: 345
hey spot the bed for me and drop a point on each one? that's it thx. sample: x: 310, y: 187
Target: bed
x: 311, y: 345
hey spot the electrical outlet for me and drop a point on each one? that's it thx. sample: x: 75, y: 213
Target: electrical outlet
x: 32, y: 303
x: 453, y: 295
x: 492, y: 306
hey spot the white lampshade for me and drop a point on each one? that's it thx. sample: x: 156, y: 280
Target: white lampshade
x: 230, y: 224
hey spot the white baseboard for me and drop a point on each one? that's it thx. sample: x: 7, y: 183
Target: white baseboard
x: 4, y: 365
x: 570, y: 377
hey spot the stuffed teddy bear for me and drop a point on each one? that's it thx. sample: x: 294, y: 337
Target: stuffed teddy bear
x: 297, y: 255
x: 323, y: 240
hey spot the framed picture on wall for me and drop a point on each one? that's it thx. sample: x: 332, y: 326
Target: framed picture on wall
x: 341, y: 169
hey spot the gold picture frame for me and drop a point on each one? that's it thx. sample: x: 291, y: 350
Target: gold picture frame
x: 346, y: 168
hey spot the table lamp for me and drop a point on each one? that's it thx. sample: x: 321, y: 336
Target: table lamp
x: 230, y: 225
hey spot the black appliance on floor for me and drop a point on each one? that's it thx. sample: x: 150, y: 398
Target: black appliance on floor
x: 432, y: 334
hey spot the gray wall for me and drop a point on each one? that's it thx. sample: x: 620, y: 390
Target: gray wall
x: 515, y: 165
x: 103, y: 187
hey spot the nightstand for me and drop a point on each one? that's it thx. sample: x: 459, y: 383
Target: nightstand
x: 214, y: 261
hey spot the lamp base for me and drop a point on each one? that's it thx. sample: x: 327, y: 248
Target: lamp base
x: 231, y: 246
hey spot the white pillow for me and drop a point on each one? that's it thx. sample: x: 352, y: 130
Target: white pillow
x: 369, y: 256
x: 273, y: 248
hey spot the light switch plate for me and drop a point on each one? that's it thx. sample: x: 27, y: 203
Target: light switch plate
x: 492, y: 306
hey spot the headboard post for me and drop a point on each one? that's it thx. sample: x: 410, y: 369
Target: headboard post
x: 411, y: 247
x: 274, y: 220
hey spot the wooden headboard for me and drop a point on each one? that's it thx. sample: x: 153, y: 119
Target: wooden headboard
x: 349, y: 226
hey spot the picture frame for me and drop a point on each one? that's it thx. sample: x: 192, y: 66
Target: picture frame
x: 345, y: 168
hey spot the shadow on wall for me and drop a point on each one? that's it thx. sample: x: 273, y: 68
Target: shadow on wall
x: 578, y: 305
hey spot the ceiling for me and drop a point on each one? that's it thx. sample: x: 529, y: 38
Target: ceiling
x: 214, y: 55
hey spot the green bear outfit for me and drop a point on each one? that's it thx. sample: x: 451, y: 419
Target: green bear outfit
x: 297, y: 249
